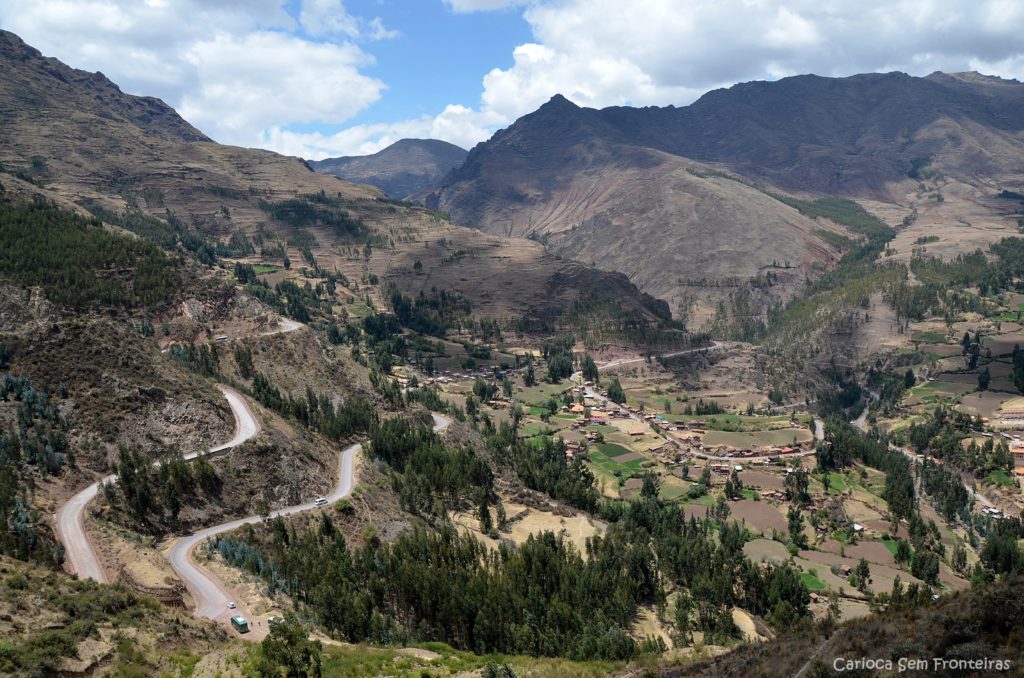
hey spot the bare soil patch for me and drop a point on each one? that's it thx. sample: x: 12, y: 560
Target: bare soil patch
x: 759, y: 515
x: 873, y: 552
x: 695, y: 511
x: 761, y: 479
x: 766, y: 550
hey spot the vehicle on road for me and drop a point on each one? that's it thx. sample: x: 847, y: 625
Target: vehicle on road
x: 240, y: 623
x: 231, y: 605
x: 320, y: 502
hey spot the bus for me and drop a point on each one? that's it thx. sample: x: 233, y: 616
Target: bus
x: 240, y: 624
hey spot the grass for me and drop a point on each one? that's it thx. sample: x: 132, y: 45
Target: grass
x: 931, y: 386
x: 703, y: 500
x: 531, y: 431
x: 837, y: 483
x: 889, y: 544
x: 748, y: 494
x: 266, y: 268
x: 1001, y: 478
x: 930, y: 337
x: 363, y: 660
x: 841, y: 536
x: 812, y: 582
x: 539, y: 394
x: 874, y: 484
x: 358, y: 310
x: 601, y: 459
x: 673, y: 488
x: 742, y: 422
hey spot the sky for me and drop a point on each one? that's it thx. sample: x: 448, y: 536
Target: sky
x: 324, y: 78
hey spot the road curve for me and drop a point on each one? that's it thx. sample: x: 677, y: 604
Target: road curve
x: 80, y: 557
x: 210, y: 596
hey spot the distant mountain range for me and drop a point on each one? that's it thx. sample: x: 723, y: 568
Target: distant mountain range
x: 403, y: 168
x: 77, y: 139
x: 653, y: 192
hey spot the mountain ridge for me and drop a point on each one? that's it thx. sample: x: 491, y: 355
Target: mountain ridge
x: 401, y: 169
x: 149, y: 113
x: 574, y: 178
x: 76, y: 138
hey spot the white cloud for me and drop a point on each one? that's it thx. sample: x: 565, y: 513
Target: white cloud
x: 603, y: 52
x: 237, y: 68
x: 234, y: 68
x: 456, y: 124
x: 255, y: 82
x: 327, y: 17
x: 466, y: 6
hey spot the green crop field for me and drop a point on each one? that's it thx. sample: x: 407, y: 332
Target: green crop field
x: 601, y: 460
x: 812, y: 582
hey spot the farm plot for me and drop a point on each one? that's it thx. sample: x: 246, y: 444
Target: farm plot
x: 873, y: 552
x: 766, y: 550
x: 767, y: 481
x: 673, y: 488
x: 603, y: 459
x: 984, y: 404
x: 760, y: 516
x: 697, y: 511
x: 756, y: 439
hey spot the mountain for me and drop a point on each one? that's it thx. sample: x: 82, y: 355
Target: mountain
x: 681, y: 230
x: 846, y: 136
x: 403, y: 168
x: 692, y: 190
x: 75, y: 138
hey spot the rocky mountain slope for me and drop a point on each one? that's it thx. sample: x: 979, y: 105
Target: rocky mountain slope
x: 74, y: 137
x: 680, y: 230
x: 642, y: 190
x: 400, y: 170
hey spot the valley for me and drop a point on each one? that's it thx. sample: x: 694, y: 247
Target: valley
x: 722, y: 389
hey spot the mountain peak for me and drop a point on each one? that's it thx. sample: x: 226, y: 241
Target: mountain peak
x: 400, y: 170
x: 559, y: 102
x: 44, y: 83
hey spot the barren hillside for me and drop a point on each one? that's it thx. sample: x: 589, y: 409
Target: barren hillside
x: 78, y: 139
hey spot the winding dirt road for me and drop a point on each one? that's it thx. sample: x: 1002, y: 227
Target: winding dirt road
x: 210, y: 595
x: 80, y: 557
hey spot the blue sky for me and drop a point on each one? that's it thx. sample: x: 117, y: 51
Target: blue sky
x: 321, y: 78
x: 439, y: 56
